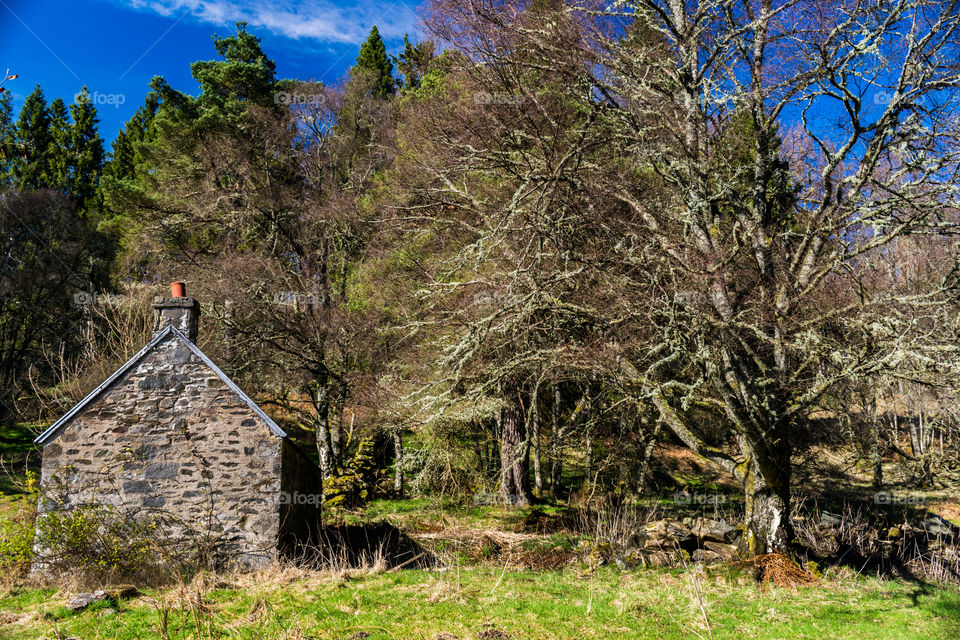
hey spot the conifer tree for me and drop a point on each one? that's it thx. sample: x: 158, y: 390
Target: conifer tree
x: 86, y: 154
x: 126, y: 152
x: 31, y: 167
x: 413, y: 61
x: 373, y: 58
x: 60, y: 155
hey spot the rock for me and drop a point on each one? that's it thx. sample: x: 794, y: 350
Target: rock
x: 715, y: 530
x: 123, y: 592
x: 636, y: 540
x: 630, y: 559
x: 597, y: 553
x: 657, y: 558
x: 828, y: 519
x: 705, y: 556
x: 727, y: 552
x: 81, y: 601
x: 667, y: 534
x: 938, y: 526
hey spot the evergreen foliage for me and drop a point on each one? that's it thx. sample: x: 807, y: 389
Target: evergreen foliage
x: 373, y: 59
x: 32, y: 166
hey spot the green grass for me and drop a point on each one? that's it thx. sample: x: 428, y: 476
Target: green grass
x: 524, y: 604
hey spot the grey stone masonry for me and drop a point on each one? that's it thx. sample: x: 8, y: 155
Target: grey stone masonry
x: 169, y: 435
x: 182, y: 313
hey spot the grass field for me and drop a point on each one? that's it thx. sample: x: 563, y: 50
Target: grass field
x: 492, y: 604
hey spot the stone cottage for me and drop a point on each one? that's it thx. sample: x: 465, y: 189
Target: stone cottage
x: 170, y: 437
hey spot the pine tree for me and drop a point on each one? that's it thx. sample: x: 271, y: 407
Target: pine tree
x: 126, y: 153
x: 87, y: 154
x: 60, y: 156
x: 413, y: 61
x: 228, y: 87
x: 373, y: 59
x: 31, y: 167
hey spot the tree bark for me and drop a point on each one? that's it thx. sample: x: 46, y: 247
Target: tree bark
x: 555, y: 462
x: 514, y: 454
x: 876, y: 448
x: 398, y: 464
x: 767, y: 502
x: 535, y: 440
x: 324, y: 446
x: 336, y: 429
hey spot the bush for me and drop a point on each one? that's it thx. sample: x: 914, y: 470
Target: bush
x: 358, y: 481
x: 16, y: 536
x: 96, y: 541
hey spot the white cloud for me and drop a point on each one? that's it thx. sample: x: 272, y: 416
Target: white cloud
x: 296, y: 19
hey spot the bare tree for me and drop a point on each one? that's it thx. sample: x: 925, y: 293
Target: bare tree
x: 706, y: 190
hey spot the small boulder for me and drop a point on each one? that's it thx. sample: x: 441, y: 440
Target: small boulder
x: 831, y: 520
x: 123, y: 592
x: 81, y: 601
x: 937, y: 526
x: 657, y: 558
x: 727, y: 552
x: 705, y: 556
x: 667, y: 534
x: 715, y: 530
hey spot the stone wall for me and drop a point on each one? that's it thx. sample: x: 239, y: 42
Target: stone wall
x: 169, y: 439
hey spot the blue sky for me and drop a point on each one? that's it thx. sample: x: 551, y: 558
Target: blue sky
x: 115, y: 47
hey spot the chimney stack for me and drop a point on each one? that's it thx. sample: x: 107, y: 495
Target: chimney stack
x: 177, y: 310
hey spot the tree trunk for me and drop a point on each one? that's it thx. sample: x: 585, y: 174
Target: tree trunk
x: 324, y: 445
x: 398, y: 464
x: 336, y: 429
x: 647, y: 455
x: 876, y: 447
x: 588, y: 478
x: 535, y: 440
x: 767, y: 501
x: 514, y: 454
x: 555, y: 462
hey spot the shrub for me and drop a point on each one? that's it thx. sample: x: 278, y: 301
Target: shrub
x: 359, y: 480
x: 16, y: 535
